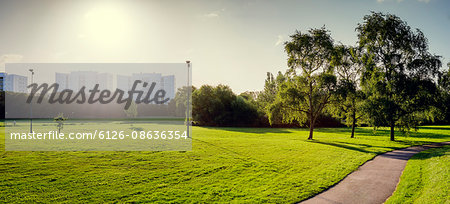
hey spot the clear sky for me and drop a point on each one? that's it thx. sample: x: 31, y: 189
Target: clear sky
x: 229, y: 42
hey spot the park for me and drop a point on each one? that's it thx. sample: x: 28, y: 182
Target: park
x: 366, y: 121
x: 250, y: 165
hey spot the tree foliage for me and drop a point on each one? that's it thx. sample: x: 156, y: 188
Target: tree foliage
x: 348, y: 98
x: 309, y: 81
x: 400, y: 84
x: 444, y: 100
x: 266, y: 98
x: 219, y: 106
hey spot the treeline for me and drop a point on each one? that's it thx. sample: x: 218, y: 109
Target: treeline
x: 219, y: 106
x: 388, y: 78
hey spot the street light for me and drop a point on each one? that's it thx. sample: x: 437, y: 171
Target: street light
x: 31, y: 104
x: 188, y: 121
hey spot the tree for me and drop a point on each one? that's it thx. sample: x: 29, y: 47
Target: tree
x: 219, y: 106
x: 400, y: 84
x: 266, y: 98
x: 178, y: 104
x: 348, y: 65
x: 204, y: 105
x: 60, y: 119
x: 245, y: 113
x: 444, y: 89
x: 310, y: 81
x: 132, y: 111
x: 250, y: 96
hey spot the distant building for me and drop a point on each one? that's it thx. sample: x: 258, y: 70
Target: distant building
x: 166, y: 83
x: 62, y: 79
x: 15, y: 83
x: 124, y: 82
x: 76, y: 80
x: 105, y: 80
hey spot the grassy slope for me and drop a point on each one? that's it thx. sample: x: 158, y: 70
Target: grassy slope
x: 425, y: 178
x: 226, y: 164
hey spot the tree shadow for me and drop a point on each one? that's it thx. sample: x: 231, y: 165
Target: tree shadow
x: 403, y: 154
x: 358, y: 131
x: 426, y: 135
x: 386, y: 132
x: 436, y: 128
x: 254, y: 130
x: 367, y: 145
x: 438, y: 151
x: 345, y: 146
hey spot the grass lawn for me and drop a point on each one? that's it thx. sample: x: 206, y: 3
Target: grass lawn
x: 425, y: 178
x: 239, y: 165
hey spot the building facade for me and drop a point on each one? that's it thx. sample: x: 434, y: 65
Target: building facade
x: 166, y: 83
x: 76, y: 80
x: 15, y: 83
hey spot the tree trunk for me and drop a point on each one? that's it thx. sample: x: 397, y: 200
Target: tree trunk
x: 392, y: 131
x: 311, y: 111
x: 311, y: 130
x: 353, y: 124
x: 353, y: 130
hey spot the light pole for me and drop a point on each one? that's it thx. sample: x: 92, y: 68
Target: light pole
x: 31, y: 104
x: 188, y: 121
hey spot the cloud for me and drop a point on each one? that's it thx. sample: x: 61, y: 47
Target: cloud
x: 424, y: 1
x: 380, y: 1
x: 211, y: 15
x: 214, y: 14
x: 280, y: 40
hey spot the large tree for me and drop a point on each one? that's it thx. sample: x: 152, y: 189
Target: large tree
x: 348, y: 65
x: 401, y: 84
x: 309, y: 81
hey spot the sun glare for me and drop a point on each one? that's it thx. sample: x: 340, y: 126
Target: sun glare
x: 107, y: 25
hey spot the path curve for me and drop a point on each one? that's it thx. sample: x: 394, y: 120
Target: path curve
x: 374, y: 182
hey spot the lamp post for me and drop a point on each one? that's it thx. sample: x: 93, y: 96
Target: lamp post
x: 31, y: 104
x: 188, y: 121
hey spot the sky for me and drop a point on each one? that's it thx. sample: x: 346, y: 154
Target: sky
x: 231, y: 42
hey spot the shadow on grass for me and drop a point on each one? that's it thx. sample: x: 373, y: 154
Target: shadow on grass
x: 337, y: 144
x: 367, y: 145
x: 255, y: 130
x: 385, y: 132
x: 358, y: 131
x: 435, y: 128
x: 436, y: 151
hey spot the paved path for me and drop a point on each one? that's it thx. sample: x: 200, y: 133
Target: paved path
x: 374, y: 182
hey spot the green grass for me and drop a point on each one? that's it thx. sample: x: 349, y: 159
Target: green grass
x: 425, y: 178
x: 240, y: 165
